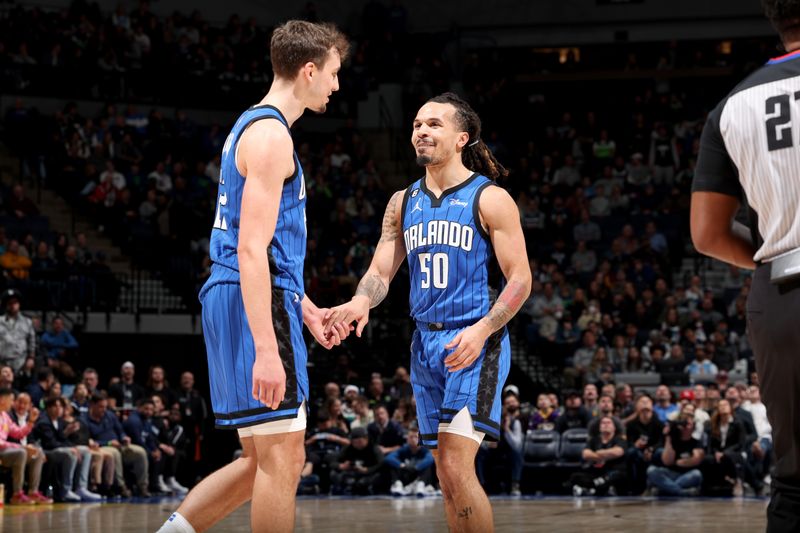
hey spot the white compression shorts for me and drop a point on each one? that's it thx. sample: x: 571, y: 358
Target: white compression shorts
x: 461, y: 424
x: 276, y: 427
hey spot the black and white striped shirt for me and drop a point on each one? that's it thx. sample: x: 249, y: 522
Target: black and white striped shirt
x: 751, y: 145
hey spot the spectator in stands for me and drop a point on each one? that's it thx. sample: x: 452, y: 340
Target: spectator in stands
x: 702, y: 366
x: 17, y: 335
x: 762, y: 447
x: 544, y: 416
x: 733, y: 396
x: 60, y: 344
x: 158, y: 384
x: 575, y: 416
x: 590, y: 399
x: 85, y: 255
x: 91, y: 379
x: 323, y: 445
x: 112, y: 177
x: 384, y: 432
x: 682, y: 456
x: 139, y: 429
x: 7, y: 379
x: 161, y: 180
x: 194, y: 413
x: 80, y: 399
x: 172, y: 442
x: 686, y: 405
x: 401, y: 387
x: 634, y: 362
x: 170, y: 437
x: 126, y: 392
x: 350, y: 395
x: 102, y: 463
x: 17, y: 456
x: 645, y: 435
x: 576, y: 372
x: 726, y: 441
x: 512, y: 439
x: 20, y: 205
x: 105, y: 428
x: 587, y: 230
x: 605, y: 455
x: 410, y: 467
x: 357, y: 466
x: 41, y: 387
x: 50, y: 429
x: 333, y: 406
x: 624, y: 405
x: 16, y: 264
x: 376, y: 393
x: 364, y: 416
x: 605, y: 407
x: 664, y: 406
x: 545, y: 304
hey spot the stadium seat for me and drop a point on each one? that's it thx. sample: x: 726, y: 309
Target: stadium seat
x: 541, y: 447
x: 573, y: 441
x: 635, y: 379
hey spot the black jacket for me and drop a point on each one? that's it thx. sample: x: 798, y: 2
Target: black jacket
x: 50, y: 437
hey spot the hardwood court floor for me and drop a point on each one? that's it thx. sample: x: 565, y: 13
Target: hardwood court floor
x: 419, y: 516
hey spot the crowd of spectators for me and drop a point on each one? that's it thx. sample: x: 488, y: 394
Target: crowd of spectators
x: 80, y: 440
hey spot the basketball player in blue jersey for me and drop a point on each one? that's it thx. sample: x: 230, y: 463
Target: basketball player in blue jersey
x: 448, y: 224
x: 254, y: 304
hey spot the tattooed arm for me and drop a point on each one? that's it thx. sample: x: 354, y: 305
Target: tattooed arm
x: 499, y: 211
x: 500, y: 215
x: 374, y: 286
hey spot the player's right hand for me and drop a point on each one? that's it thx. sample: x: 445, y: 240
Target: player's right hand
x: 356, y: 310
x: 269, y: 380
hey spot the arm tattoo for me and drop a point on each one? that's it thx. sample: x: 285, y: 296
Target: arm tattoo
x: 391, y: 229
x: 507, y: 305
x: 373, y: 288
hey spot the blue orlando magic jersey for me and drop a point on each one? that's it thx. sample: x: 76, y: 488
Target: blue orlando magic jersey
x: 448, y: 252
x: 287, y: 250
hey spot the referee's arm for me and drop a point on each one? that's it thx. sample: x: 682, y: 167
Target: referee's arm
x: 715, y: 200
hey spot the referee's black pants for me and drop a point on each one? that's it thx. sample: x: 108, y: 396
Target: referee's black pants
x: 773, y: 323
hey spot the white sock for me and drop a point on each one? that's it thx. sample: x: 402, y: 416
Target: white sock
x: 176, y: 524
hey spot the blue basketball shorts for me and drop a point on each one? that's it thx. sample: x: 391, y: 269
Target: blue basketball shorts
x: 231, y: 354
x: 441, y: 394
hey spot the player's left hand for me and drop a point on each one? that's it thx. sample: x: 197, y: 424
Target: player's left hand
x: 467, y: 346
x: 337, y: 334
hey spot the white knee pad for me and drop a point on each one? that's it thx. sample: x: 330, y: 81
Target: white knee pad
x: 461, y: 424
x: 276, y: 427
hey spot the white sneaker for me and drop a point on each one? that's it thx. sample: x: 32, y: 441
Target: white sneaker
x: 429, y: 490
x: 419, y: 488
x: 397, y: 489
x: 88, y: 496
x: 162, y: 487
x: 71, y: 497
x: 173, y: 484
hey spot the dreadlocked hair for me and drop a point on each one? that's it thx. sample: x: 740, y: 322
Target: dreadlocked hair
x: 476, y: 157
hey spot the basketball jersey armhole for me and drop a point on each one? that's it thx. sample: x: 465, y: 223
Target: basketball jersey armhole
x: 252, y: 121
x: 406, y: 197
x: 476, y: 211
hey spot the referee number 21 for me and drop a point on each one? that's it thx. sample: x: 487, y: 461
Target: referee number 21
x: 779, y: 118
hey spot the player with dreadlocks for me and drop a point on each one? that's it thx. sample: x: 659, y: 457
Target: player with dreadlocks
x: 448, y: 225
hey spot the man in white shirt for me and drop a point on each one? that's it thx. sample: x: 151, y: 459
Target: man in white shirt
x: 763, y: 445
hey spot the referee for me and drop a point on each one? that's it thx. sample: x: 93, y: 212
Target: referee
x: 750, y: 151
